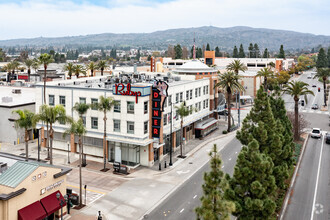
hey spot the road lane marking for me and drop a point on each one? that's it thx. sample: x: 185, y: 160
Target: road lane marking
x: 317, y: 177
x: 222, y: 166
x: 229, y: 158
x: 181, y: 210
x: 236, y: 152
x: 195, y: 197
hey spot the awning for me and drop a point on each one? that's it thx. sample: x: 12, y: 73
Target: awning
x: 205, y: 124
x: 51, y: 203
x: 32, y: 211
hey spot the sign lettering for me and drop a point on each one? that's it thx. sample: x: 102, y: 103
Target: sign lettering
x: 120, y: 90
x: 159, y: 94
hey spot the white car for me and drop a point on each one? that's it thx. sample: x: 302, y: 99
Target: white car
x: 316, y: 133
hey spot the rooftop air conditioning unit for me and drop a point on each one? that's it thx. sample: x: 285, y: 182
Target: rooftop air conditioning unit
x: 16, y: 91
x: 3, y: 167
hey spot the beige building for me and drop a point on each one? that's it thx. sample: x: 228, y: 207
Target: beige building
x: 28, y: 189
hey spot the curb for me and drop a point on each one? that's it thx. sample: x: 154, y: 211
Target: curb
x: 293, y: 181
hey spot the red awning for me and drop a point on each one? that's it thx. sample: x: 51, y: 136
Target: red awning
x: 51, y: 203
x: 32, y: 211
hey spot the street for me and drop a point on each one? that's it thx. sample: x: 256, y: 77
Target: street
x: 182, y: 202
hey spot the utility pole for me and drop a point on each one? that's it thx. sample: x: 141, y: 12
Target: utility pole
x: 171, y: 139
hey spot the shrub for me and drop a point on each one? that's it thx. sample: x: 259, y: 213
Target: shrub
x: 224, y: 132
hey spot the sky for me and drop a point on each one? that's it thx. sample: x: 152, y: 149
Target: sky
x: 47, y: 18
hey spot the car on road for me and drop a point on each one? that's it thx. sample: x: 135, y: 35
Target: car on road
x: 309, y: 77
x: 327, y: 138
x: 316, y: 133
x: 313, y: 85
x: 315, y: 106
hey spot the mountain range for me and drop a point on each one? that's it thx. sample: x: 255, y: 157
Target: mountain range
x: 225, y: 38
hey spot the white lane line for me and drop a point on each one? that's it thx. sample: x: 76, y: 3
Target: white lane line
x: 195, y: 197
x: 317, y: 177
x: 229, y: 158
x: 236, y: 152
x: 222, y: 166
x: 181, y: 210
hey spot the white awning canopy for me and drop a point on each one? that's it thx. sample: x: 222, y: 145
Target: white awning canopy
x: 244, y: 97
x: 205, y: 124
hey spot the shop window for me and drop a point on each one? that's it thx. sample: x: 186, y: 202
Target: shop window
x: 51, y: 100
x: 94, y: 122
x: 62, y: 100
x: 165, y: 119
x: 130, y: 127
x: 94, y: 101
x: 145, y: 107
x: 130, y: 107
x: 82, y: 100
x: 116, y: 125
x: 117, y: 106
x: 145, y: 127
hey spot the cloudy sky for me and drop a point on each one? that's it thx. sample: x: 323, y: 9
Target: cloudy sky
x: 47, y: 18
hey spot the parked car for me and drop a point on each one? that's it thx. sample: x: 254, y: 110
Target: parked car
x: 309, y: 77
x: 327, y: 138
x: 316, y: 133
x: 315, y: 106
x: 313, y: 85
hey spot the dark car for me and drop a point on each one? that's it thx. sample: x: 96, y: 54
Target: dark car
x: 327, y: 138
x: 315, y: 106
x: 313, y: 85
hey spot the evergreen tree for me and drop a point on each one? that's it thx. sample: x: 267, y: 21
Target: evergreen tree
x: 253, y: 187
x: 178, y: 51
x: 199, y: 53
x: 214, y: 206
x: 138, y: 55
x: 328, y: 57
x: 208, y: 47
x: 251, y: 51
x: 322, y: 61
x: 256, y: 51
x: 281, y: 53
x: 217, y: 52
x: 266, y: 54
x: 241, y: 53
x: 235, y: 52
x: 192, y: 52
x: 262, y: 126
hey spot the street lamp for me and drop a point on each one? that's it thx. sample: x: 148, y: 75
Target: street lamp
x: 68, y: 152
x: 171, y: 142
x: 38, y: 144
x: 61, y: 202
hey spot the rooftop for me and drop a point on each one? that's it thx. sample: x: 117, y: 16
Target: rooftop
x: 16, y: 96
x: 194, y: 66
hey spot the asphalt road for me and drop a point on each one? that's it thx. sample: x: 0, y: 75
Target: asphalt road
x: 311, y: 193
x: 182, y: 202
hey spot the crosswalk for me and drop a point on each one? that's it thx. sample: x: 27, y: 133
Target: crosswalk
x: 313, y: 111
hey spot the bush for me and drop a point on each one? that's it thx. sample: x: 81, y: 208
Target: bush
x: 296, y: 153
x: 224, y: 132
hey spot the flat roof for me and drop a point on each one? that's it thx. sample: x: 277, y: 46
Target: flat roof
x: 9, y: 99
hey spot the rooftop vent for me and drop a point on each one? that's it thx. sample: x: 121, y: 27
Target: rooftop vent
x: 7, y: 99
x: 3, y: 167
x: 16, y: 91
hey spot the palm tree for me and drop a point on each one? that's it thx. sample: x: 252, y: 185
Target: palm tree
x: 297, y: 89
x: 323, y: 73
x: 69, y: 67
x: 81, y: 109
x: 183, y: 111
x: 92, y: 66
x: 45, y: 59
x: 102, y: 64
x: 28, y: 63
x: 78, y: 128
x: 265, y: 72
x: 104, y: 105
x: 35, y: 65
x: 52, y: 115
x: 26, y: 121
x: 14, y: 65
x: 77, y: 69
x: 228, y: 81
x: 236, y: 66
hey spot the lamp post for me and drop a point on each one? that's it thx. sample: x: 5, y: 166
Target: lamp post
x: 38, y: 144
x: 61, y: 202
x: 85, y: 194
x: 68, y: 152
x: 171, y: 139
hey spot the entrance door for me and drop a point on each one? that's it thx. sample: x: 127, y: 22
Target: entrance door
x: 156, y: 154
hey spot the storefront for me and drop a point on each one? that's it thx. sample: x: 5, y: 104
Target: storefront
x: 31, y: 190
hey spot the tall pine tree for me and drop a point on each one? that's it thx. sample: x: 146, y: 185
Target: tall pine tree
x: 281, y: 53
x: 241, y: 53
x: 214, y: 206
x: 256, y: 51
x: 252, y: 186
x: 235, y: 52
x: 322, y: 61
x: 266, y: 54
x: 208, y: 47
x: 217, y: 52
x: 328, y: 57
x: 251, y: 51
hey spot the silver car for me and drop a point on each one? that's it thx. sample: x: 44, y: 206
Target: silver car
x: 316, y: 133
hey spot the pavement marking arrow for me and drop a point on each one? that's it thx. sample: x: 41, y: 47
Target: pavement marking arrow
x: 182, y: 172
x: 318, y: 208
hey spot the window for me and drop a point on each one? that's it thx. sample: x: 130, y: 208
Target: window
x: 51, y: 100
x: 169, y: 117
x: 84, y: 120
x: 130, y: 127
x: 116, y: 107
x: 116, y: 125
x: 94, y: 101
x: 165, y: 119
x: 177, y: 98
x: 94, y: 123
x: 204, y: 88
x: 165, y: 103
x: 187, y: 95
x: 177, y: 115
x: 199, y: 91
x: 170, y: 100
x: 204, y: 104
x: 62, y: 100
x: 199, y: 106
x: 191, y: 94
x: 207, y: 103
x: 130, y: 107
x: 145, y: 127
x: 196, y: 92
x: 181, y: 96
x: 207, y: 89
x: 146, y: 107
x: 196, y: 106
x: 82, y: 100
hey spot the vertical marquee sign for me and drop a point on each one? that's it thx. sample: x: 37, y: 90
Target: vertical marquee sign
x: 159, y: 95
